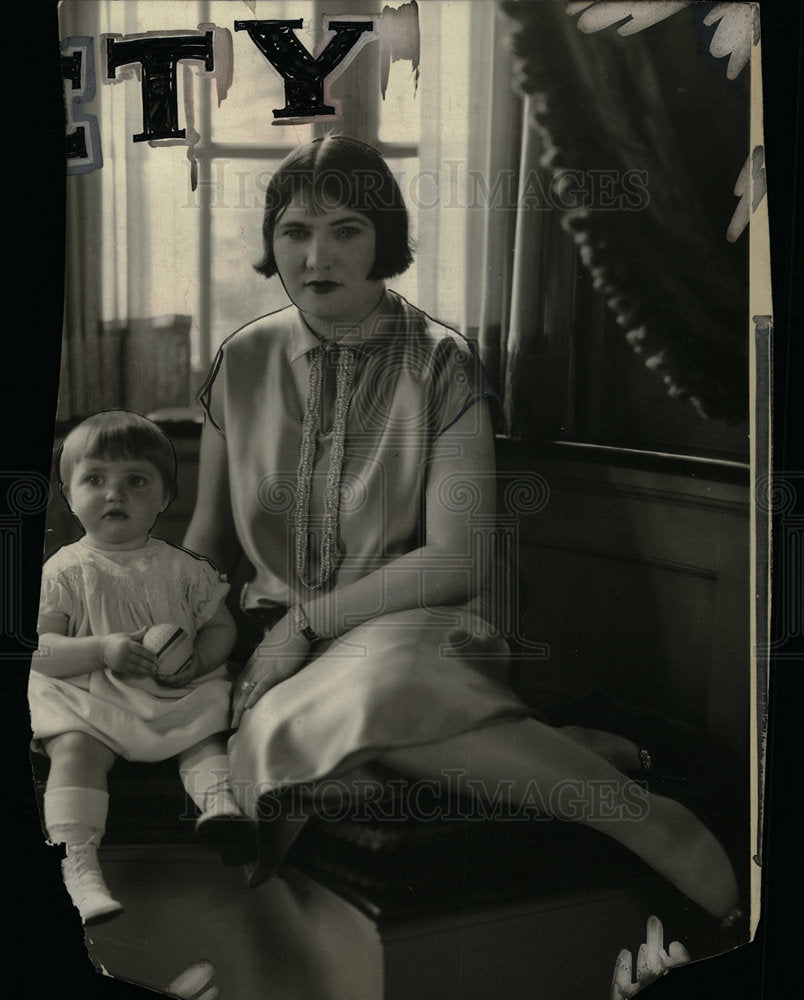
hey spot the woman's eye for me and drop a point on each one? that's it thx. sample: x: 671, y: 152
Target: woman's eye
x: 295, y: 234
x: 348, y: 232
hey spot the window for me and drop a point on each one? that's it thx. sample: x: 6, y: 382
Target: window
x: 144, y: 244
x: 145, y: 247
x: 244, y: 147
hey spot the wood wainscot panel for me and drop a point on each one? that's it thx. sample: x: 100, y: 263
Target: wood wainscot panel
x: 638, y: 581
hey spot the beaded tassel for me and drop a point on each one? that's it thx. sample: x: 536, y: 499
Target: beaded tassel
x: 304, y: 474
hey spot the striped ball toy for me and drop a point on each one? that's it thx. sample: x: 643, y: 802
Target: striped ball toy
x: 173, y: 648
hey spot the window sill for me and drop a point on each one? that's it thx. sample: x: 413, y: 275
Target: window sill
x: 702, y: 467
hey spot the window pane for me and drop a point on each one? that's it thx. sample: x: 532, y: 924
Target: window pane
x: 406, y: 171
x: 164, y: 218
x: 237, y: 293
x: 437, y: 211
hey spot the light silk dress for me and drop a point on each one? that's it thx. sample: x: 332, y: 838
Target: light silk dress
x: 398, y: 680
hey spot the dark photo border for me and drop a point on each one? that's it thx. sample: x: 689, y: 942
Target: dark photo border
x: 49, y: 957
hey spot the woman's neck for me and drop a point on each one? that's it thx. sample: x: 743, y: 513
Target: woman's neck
x: 337, y: 329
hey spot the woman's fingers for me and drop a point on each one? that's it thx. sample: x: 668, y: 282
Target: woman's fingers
x: 241, y: 694
x: 621, y: 987
x: 654, y: 938
x: 262, y: 686
x: 648, y: 966
x: 193, y: 980
x: 275, y: 659
x: 248, y: 693
x: 677, y: 954
x: 651, y: 962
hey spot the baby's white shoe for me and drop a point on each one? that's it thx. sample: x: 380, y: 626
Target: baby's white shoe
x: 85, y: 884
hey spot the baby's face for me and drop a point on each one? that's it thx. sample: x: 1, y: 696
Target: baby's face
x: 117, y: 501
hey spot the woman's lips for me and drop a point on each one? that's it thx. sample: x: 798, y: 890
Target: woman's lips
x: 322, y: 287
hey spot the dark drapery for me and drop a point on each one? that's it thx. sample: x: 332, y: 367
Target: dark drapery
x: 656, y: 106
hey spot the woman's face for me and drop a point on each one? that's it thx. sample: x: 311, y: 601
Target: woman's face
x: 324, y: 260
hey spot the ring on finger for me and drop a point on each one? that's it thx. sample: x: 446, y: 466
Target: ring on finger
x: 248, y: 686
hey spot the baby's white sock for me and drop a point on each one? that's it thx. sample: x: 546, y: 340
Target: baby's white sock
x: 75, y: 815
x: 208, y: 783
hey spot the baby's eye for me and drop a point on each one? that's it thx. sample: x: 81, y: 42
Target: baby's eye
x: 137, y: 481
x: 94, y: 480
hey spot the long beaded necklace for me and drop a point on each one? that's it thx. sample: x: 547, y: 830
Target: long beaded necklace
x: 304, y: 475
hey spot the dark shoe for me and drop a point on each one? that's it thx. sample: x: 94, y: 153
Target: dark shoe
x: 232, y: 836
x: 279, y: 823
x: 670, y: 752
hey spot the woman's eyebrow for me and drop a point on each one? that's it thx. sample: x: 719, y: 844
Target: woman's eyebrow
x: 348, y: 218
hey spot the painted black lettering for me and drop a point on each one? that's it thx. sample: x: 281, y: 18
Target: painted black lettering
x: 75, y: 143
x: 159, y: 56
x: 82, y: 146
x: 303, y: 75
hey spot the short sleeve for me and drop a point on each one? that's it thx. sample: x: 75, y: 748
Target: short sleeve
x: 207, y: 589
x: 56, y: 597
x: 211, y: 393
x: 460, y: 382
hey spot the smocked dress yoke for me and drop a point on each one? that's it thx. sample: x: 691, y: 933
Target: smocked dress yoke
x: 103, y: 592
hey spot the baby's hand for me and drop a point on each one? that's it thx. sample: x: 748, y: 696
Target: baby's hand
x: 182, y: 677
x: 124, y: 653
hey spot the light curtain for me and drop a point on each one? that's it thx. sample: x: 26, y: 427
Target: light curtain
x: 514, y: 267
x: 129, y: 223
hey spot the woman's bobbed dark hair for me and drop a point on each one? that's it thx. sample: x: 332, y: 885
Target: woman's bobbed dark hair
x: 340, y: 170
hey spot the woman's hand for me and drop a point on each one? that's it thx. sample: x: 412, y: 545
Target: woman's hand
x: 125, y: 654
x: 652, y: 962
x: 280, y: 655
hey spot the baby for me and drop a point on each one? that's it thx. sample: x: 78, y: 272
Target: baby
x: 95, y: 690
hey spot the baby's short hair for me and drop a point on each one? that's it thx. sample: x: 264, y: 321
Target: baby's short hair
x: 119, y: 434
x: 338, y: 169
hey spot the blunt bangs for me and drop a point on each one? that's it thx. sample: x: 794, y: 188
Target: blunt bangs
x: 341, y: 171
x: 118, y: 435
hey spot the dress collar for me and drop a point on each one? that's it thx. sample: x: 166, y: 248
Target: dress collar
x: 303, y: 340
